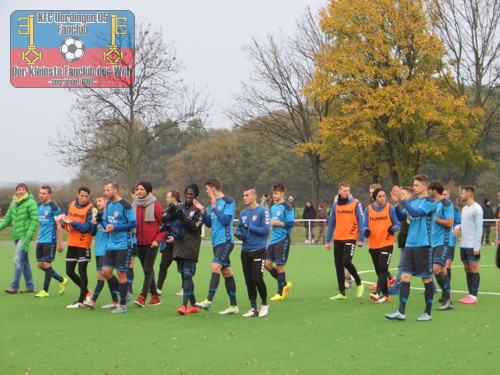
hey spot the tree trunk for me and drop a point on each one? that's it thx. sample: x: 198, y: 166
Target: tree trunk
x: 315, y: 179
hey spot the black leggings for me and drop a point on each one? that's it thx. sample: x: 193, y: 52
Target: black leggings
x: 80, y: 279
x: 165, y: 262
x: 253, y: 263
x: 147, y: 256
x: 343, y: 252
x: 381, y: 259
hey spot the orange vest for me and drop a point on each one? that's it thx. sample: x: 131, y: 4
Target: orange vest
x: 346, y: 223
x: 78, y: 214
x: 379, y: 223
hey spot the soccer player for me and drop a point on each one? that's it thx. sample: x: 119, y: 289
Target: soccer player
x: 23, y: 217
x: 118, y: 221
x: 167, y: 248
x: 187, y: 247
x: 380, y: 224
x: 77, y: 221
x: 254, y: 225
x: 440, y: 239
x: 418, y: 251
x: 101, y: 241
x: 282, y: 222
x: 346, y: 220
x: 49, y: 237
x: 148, y: 212
x: 471, y: 228
x: 450, y: 255
x: 220, y: 218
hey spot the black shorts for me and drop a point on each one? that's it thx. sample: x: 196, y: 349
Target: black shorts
x: 45, y: 252
x: 77, y: 254
x: 186, y: 266
x: 119, y: 259
x: 450, y: 254
x: 253, y: 264
x: 467, y: 255
x: 343, y: 251
x: 418, y: 261
x: 278, y: 252
x: 221, y: 254
x: 99, y: 260
x: 439, y: 254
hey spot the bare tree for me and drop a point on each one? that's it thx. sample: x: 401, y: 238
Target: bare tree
x: 470, y: 31
x: 116, y: 127
x: 272, y: 103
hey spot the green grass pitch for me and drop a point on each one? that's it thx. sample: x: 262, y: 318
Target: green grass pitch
x: 306, y: 333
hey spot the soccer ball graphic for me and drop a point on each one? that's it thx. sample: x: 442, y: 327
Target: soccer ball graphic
x: 72, y: 49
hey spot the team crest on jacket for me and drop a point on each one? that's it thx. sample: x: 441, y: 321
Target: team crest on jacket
x: 116, y: 213
x: 254, y: 217
x: 278, y: 213
x: 46, y: 212
x: 219, y: 207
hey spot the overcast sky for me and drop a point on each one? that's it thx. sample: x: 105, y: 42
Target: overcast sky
x: 208, y: 37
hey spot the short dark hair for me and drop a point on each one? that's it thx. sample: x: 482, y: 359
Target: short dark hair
x: 214, y: 182
x: 46, y: 187
x: 469, y: 188
x: 343, y: 184
x: 84, y: 188
x: 438, y: 186
x: 408, y: 189
x: 114, y: 184
x: 251, y: 188
x: 374, y: 186
x: 22, y: 185
x: 176, y: 195
x: 279, y: 187
x: 422, y: 178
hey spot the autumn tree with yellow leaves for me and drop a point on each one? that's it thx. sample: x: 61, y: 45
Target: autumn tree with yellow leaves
x: 394, y: 111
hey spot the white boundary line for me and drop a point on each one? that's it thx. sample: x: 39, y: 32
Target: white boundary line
x: 454, y: 291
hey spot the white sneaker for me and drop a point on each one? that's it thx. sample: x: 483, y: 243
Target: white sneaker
x: 206, y: 305
x: 306, y: 241
x: 251, y: 313
x: 230, y: 310
x: 111, y: 305
x: 264, y: 310
x: 158, y: 290
x: 179, y: 293
x: 120, y: 309
x: 76, y: 305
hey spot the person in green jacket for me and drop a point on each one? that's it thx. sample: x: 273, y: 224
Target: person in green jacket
x: 23, y: 217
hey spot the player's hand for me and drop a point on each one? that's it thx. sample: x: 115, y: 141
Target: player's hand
x: 456, y: 230
x: 273, y: 222
x: 155, y: 244
x: 211, y: 196
x: 170, y: 239
x: 109, y: 228
x: 198, y: 205
x: 328, y: 246
x: 360, y: 244
x: 60, y: 247
x: 398, y: 192
x: 476, y: 251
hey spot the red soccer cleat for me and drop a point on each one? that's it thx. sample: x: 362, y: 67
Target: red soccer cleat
x: 182, y: 310
x: 155, y: 301
x: 192, y: 310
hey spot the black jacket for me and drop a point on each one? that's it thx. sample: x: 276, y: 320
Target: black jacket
x: 188, y: 247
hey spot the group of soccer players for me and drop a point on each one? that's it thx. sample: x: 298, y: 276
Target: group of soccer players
x: 123, y: 230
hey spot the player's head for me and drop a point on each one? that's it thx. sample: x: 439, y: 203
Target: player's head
x: 190, y: 193
x: 420, y: 184
x: 408, y: 192
x: 143, y: 189
x: 83, y: 195
x: 436, y: 188
x: 101, y: 201
x: 213, y: 186
x: 44, y: 193
x: 278, y: 191
x: 21, y: 189
x: 344, y: 190
x: 446, y: 193
x: 249, y: 196
x: 173, y: 197
x: 111, y: 190
x: 379, y: 196
x: 372, y: 188
x: 467, y: 193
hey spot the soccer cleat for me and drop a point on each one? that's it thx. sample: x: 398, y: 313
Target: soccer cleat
x: 447, y: 305
x: 192, y: 310
x: 391, y: 282
x: 88, y: 296
x: 384, y: 299
x: 90, y: 303
x: 286, y: 289
x: 339, y: 296
x: 360, y: 290
x: 111, y: 305
x: 182, y: 310
x: 158, y: 290
x: 463, y: 299
x: 250, y: 313
x: 62, y: 285
x: 179, y: 293
x: 41, y: 294
x: 206, y: 305
x: 75, y: 305
x: 424, y: 318
x: 230, y: 310
x: 119, y: 309
x: 154, y: 301
x: 396, y: 316
x: 372, y: 287
x: 141, y: 301
x: 374, y: 297
x: 276, y: 297
x: 264, y: 310
x: 470, y: 300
